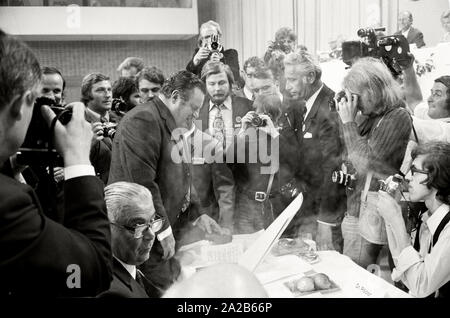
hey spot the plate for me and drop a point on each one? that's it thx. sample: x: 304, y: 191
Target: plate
x: 292, y: 286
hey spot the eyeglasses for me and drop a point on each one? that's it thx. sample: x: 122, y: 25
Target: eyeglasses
x: 139, y: 229
x: 415, y: 170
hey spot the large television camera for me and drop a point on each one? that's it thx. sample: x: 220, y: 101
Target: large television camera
x: 392, y: 49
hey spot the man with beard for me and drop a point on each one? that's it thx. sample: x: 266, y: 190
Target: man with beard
x: 321, y: 149
x: 221, y: 112
x: 96, y: 94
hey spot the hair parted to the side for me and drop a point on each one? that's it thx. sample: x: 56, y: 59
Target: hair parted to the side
x: 306, y: 61
x: 19, y: 69
x: 437, y: 163
x: 372, y: 75
x: 87, y: 83
x: 151, y: 74
x: 254, y: 61
x: 213, y: 68
x: 183, y: 82
x: 124, y: 198
x: 130, y: 62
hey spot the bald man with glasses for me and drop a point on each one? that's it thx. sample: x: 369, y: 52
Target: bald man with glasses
x: 133, y: 226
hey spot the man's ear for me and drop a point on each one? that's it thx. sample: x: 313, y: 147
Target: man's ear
x: 309, y: 78
x: 175, y: 96
x: 18, y: 102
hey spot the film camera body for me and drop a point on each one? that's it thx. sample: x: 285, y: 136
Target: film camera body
x: 257, y: 121
x: 214, y: 44
x: 37, y: 145
x: 393, y: 49
x: 391, y: 185
x: 346, y: 176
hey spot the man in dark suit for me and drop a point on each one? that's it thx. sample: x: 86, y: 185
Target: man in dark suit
x: 146, y: 151
x: 210, y: 32
x: 96, y: 94
x: 321, y: 149
x: 133, y: 226
x: 413, y: 35
x: 39, y: 256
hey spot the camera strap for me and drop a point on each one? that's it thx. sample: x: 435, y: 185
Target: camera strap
x: 366, y: 186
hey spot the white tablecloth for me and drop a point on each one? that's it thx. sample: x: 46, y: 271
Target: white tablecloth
x: 353, y: 281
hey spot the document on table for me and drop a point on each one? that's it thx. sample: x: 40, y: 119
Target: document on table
x: 261, y: 247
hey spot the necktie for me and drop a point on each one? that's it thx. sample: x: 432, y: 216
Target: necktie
x: 219, y: 125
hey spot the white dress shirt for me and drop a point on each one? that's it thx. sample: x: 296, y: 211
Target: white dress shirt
x: 422, y: 272
x: 311, y: 100
x: 405, y: 33
x: 227, y: 116
x: 248, y: 93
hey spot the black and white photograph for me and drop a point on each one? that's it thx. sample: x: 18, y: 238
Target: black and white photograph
x: 210, y: 150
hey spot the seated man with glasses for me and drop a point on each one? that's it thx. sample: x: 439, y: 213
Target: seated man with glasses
x: 423, y: 262
x: 133, y: 226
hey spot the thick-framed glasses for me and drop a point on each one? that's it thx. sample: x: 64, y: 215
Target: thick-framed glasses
x: 415, y: 170
x: 139, y: 229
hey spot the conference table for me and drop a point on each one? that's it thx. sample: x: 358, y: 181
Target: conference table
x: 278, y: 273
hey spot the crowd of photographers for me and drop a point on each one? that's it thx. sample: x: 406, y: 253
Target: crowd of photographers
x: 215, y: 150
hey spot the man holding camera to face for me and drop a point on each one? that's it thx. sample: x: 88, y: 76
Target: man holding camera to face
x: 38, y: 255
x: 96, y: 94
x: 211, y: 49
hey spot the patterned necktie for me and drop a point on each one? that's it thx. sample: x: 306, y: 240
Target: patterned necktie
x: 219, y: 125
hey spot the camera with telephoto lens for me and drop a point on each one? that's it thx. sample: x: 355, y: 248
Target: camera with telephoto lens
x: 392, y: 50
x: 109, y: 130
x: 257, y: 121
x: 39, y: 135
x: 391, y: 185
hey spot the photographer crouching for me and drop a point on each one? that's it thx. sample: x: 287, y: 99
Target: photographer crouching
x: 422, y: 263
x: 39, y: 256
x: 376, y: 128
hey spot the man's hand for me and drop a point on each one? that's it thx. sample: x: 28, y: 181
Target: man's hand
x: 347, y: 109
x: 72, y: 141
x: 207, y: 224
x: 215, y: 57
x: 388, y: 208
x: 168, y: 245
x: 269, y: 128
x: 97, y: 129
x: 202, y: 54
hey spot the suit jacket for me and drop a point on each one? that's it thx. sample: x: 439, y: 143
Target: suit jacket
x: 322, y: 150
x: 414, y: 36
x: 123, y: 284
x: 239, y: 107
x: 230, y: 58
x: 36, y: 252
x: 212, y: 179
x: 143, y: 152
x: 100, y: 155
